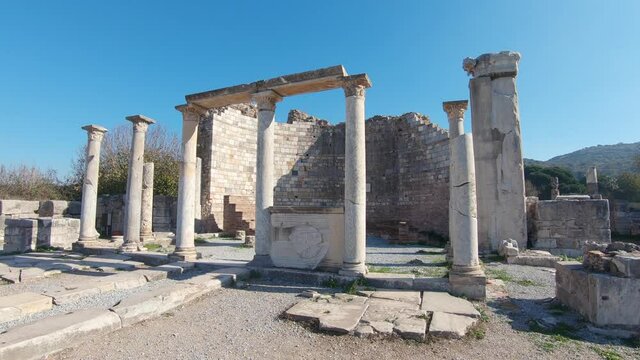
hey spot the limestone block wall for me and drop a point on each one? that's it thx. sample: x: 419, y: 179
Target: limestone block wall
x: 20, y: 235
x: 110, y: 214
x: 563, y: 226
x: 625, y: 217
x: 407, y: 167
x: 58, y: 232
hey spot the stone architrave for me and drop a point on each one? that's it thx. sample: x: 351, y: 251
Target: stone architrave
x: 146, y: 224
x: 266, y: 102
x: 466, y: 276
x: 592, y: 181
x: 498, y: 149
x: 355, y: 184
x: 90, y: 184
x: 133, y: 204
x: 185, y: 227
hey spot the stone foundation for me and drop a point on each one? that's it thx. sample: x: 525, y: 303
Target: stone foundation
x: 563, y: 226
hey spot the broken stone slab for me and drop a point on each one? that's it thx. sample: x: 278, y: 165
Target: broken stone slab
x: 52, y: 334
x: 411, y: 325
x: 627, y: 265
x: 383, y: 310
x: 71, y: 293
x: 335, y: 315
x: 235, y: 273
x: 29, y: 274
x: 382, y: 327
x: 450, y: 325
x: 13, y: 307
x: 154, y: 274
x: 390, y: 281
x: 411, y: 297
x: 443, y: 302
x: 312, y: 294
x: 152, y: 303
x: 364, y: 331
x: 208, y: 282
x: 123, y: 281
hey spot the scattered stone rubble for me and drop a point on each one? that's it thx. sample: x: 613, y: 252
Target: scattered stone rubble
x: 407, y: 314
x: 618, y: 259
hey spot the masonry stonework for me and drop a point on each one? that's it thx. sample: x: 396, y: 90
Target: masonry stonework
x: 407, y: 169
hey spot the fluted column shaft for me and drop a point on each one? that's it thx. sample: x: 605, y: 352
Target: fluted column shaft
x: 88, y: 231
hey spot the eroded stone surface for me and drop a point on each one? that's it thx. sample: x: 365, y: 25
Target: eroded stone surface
x: 443, y: 302
x: 335, y: 315
x: 450, y: 325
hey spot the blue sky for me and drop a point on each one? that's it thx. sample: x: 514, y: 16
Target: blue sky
x: 64, y: 64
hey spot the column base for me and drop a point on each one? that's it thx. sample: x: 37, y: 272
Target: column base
x: 472, y: 285
x: 144, y: 238
x: 261, y: 261
x: 353, y: 269
x: 130, y: 247
x: 184, y: 254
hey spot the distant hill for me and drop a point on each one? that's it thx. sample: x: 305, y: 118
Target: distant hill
x: 609, y: 159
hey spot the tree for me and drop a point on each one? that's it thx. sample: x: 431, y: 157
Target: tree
x: 540, y: 178
x: 628, y: 187
x: 30, y: 183
x: 161, y: 148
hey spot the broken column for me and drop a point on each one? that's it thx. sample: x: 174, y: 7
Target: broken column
x: 146, y: 225
x: 466, y: 277
x: 498, y: 149
x: 266, y: 102
x: 90, y: 184
x: 185, y: 232
x: 355, y: 187
x: 592, y: 181
x: 555, y: 188
x: 133, y: 202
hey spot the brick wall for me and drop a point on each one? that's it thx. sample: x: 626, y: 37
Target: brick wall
x: 407, y: 167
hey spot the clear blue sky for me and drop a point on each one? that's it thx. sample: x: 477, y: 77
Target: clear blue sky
x: 64, y: 64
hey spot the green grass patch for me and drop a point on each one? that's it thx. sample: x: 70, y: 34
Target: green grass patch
x: 331, y: 283
x: 526, y: 282
x: 499, y: 274
x: 153, y: 247
x: 607, y: 354
x: 478, y: 332
x: 200, y: 240
x: 45, y: 248
x: 382, y: 269
x: 438, y: 272
x: 493, y: 258
x: 569, y: 258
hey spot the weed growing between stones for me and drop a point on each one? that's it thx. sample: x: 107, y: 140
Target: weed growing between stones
x: 607, y: 354
x: 330, y: 283
x: 152, y: 247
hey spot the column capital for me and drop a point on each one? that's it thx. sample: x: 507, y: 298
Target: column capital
x: 455, y: 109
x: 494, y: 65
x: 95, y: 132
x: 355, y: 85
x: 266, y: 100
x: 192, y: 109
x: 140, y: 122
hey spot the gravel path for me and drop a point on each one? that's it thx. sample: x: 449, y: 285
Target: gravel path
x: 245, y: 324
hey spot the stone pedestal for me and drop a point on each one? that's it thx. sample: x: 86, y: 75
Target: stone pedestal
x: 466, y: 277
x: 133, y: 202
x: 146, y: 225
x: 90, y: 184
x: 498, y: 149
x: 266, y: 102
x: 354, y: 181
x: 185, y: 234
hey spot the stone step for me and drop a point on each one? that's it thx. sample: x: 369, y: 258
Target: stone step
x: 49, y: 335
x: 13, y: 307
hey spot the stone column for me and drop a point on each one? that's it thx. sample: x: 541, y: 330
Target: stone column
x: 266, y: 102
x: 355, y: 184
x: 146, y: 225
x: 198, y: 206
x: 466, y: 276
x: 133, y: 202
x: 592, y: 181
x: 90, y: 184
x: 498, y: 149
x: 185, y: 232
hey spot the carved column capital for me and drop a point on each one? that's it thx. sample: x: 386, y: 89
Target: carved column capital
x: 494, y: 65
x: 455, y: 109
x: 266, y: 100
x: 352, y: 88
x: 95, y: 132
x: 190, y: 111
x: 140, y: 122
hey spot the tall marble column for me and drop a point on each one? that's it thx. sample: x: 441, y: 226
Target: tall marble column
x: 266, y: 102
x: 90, y: 184
x: 133, y: 202
x: 198, y: 205
x: 146, y: 224
x: 185, y: 232
x: 466, y: 276
x: 498, y: 149
x: 355, y: 183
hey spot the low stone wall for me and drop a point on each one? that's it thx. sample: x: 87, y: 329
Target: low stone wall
x: 625, y: 217
x: 22, y: 235
x: 110, y: 214
x: 564, y: 226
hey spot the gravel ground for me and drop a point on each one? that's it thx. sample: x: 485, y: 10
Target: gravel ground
x: 245, y: 324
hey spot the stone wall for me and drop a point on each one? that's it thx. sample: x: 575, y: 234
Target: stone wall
x: 625, y: 217
x: 407, y: 167
x: 563, y: 226
x: 110, y: 214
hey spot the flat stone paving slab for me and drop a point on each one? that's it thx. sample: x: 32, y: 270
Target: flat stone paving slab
x: 450, y: 325
x: 36, y: 340
x: 13, y: 307
x: 443, y: 302
x: 411, y: 297
x: 340, y: 315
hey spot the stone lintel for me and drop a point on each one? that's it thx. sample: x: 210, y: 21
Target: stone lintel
x: 358, y: 79
x: 140, y: 118
x: 305, y: 210
x: 287, y: 85
x: 494, y: 65
x: 94, y: 128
